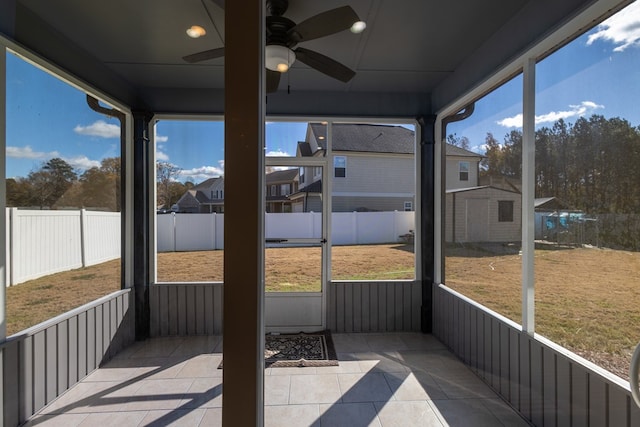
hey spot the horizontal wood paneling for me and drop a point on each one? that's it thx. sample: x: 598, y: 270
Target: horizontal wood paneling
x: 186, y: 309
x: 547, y: 386
x: 374, y: 306
x: 42, y: 362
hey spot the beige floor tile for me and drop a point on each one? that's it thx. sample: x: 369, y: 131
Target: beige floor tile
x: 212, y: 418
x: 405, y: 414
x: 202, y: 365
x: 385, y: 342
x: 276, y: 390
x: 464, y: 412
x: 379, y: 361
x: 203, y: 393
x: 308, y: 370
x: 350, y: 343
x: 314, y: 389
x: 61, y: 420
x: 114, y: 419
x: 344, y: 367
x: 349, y: 415
x: 368, y: 387
x: 159, y: 394
x: 413, y: 386
x: 506, y: 414
x: 158, y: 347
x: 292, y: 416
x: 197, y: 345
x: 175, y: 418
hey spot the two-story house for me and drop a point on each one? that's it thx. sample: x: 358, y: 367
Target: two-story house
x: 373, y: 168
x: 280, y: 184
x: 206, y: 197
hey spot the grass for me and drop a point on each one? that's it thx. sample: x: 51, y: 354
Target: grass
x: 586, y: 299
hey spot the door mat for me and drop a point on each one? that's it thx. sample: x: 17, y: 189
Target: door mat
x: 299, y: 350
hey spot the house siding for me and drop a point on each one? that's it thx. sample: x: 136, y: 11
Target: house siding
x: 453, y: 175
x: 463, y: 214
x: 370, y: 173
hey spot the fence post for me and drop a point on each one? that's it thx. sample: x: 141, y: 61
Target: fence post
x: 354, y: 227
x: 83, y: 237
x: 12, y: 227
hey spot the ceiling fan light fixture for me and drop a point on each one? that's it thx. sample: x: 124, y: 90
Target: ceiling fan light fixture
x: 278, y: 58
x: 196, y: 31
x: 358, y: 27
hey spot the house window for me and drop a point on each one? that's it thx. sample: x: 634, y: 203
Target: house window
x: 408, y: 206
x: 464, y: 171
x: 505, y: 211
x: 273, y: 190
x: 340, y: 166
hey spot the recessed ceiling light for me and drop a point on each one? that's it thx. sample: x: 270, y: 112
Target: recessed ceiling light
x: 358, y: 27
x: 196, y: 31
x: 321, y: 137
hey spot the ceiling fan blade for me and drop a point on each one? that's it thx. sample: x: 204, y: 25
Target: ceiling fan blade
x: 323, y: 24
x: 273, y: 81
x: 204, y: 55
x: 324, y: 64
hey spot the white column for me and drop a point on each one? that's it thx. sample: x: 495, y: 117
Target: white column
x: 528, y: 193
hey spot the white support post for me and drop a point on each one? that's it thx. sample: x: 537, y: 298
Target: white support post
x: 528, y: 194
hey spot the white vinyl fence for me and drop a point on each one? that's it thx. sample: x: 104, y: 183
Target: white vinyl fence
x: 42, y: 242
x: 191, y: 232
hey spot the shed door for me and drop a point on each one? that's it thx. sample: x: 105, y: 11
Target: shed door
x: 477, y: 220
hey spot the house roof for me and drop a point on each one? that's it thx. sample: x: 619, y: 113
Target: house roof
x: 481, y: 187
x: 368, y: 137
x: 314, y: 187
x: 551, y: 203
x: 286, y: 175
x: 207, y: 183
x: 453, y: 150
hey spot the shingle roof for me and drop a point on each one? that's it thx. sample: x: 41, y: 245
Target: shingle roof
x: 287, y: 175
x: 206, y: 183
x: 453, y: 150
x: 368, y: 137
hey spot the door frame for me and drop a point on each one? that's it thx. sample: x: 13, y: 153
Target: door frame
x: 283, y: 299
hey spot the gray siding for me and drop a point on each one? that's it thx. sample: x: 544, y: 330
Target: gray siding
x: 196, y: 309
x: 186, y: 309
x: 42, y: 362
x: 374, y: 306
x: 546, y: 386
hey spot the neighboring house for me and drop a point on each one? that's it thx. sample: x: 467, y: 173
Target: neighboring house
x: 280, y: 184
x: 462, y: 167
x: 373, y: 168
x: 206, y: 197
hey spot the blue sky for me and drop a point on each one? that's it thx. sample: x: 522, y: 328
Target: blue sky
x: 598, y: 73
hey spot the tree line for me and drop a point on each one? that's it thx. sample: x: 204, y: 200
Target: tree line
x: 55, y: 184
x: 592, y: 165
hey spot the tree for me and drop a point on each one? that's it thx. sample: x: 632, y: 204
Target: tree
x: 166, y: 174
x: 51, y: 181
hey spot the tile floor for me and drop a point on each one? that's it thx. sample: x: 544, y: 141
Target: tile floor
x: 382, y: 380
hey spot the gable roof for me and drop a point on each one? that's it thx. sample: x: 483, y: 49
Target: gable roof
x: 453, y: 150
x: 371, y: 138
x: 287, y: 175
x: 207, y: 183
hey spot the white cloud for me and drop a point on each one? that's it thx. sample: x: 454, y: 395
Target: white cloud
x: 579, y: 110
x: 161, y: 138
x: 27, y: 152
x: 99, y: 128
x: 82, y: 162
x: 622, y: 29
x: 203, y: 172
x: 161, y: 156
x: 277, y: 153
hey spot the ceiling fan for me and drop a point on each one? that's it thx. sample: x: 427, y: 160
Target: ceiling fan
x: 283, y: 35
